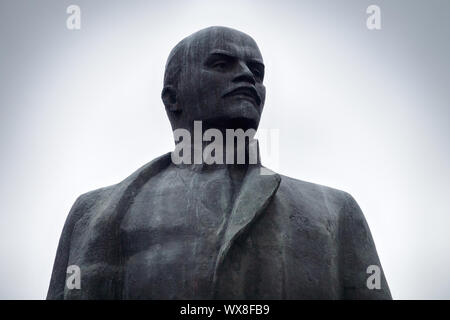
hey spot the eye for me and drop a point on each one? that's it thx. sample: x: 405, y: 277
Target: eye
x: 219, y: 64
x: 257, y: 71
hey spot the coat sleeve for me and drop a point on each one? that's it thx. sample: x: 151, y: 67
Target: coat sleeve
x: 361, y: 273
x: 58, y: 278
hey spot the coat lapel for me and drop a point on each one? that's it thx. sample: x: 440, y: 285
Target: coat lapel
x: 257, y: 190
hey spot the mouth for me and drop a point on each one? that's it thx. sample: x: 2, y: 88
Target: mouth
x: 248, y: 92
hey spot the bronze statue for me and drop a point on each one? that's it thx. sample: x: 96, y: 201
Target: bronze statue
x: 216, y: 231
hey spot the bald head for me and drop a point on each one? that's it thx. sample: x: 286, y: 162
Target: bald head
x: 202, y: 72
x: 198, y: 44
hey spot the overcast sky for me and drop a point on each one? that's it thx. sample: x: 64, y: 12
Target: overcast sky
x: 364, y: 111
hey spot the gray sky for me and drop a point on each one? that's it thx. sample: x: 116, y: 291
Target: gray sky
x: 362, y: 111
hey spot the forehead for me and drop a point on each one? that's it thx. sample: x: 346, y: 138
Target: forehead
x: 226, y: 41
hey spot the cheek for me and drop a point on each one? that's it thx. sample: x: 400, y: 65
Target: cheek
x: 198, y: 88
x: 212, y: 79
x: 212, y: 85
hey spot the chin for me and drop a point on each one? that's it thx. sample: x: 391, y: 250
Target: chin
x: 243, y: 115
x: 235, y: 120
x: 231, y: 122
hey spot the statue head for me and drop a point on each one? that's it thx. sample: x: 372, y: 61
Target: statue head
x: 215, y: 76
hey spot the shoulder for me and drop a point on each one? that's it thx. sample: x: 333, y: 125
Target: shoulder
x: 88, y: 199
x: 84, y: 203
x: 314, y: 194
x: 325, y: 201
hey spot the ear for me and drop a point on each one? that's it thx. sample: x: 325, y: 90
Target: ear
x: 169, y: 98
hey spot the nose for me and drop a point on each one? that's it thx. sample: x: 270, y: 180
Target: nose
x: 244, y: 74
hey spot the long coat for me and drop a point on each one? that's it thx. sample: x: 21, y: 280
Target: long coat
x: 285, y: 239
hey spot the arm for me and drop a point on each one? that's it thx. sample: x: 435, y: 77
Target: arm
x: 357, y: 253
x: 58, y: 278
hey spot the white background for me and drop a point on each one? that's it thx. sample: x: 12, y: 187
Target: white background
x: 362, y: 111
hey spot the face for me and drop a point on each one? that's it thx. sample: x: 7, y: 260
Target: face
x: 222, y: 81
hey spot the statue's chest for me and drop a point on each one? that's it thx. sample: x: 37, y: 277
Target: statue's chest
x: 171, y: 235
